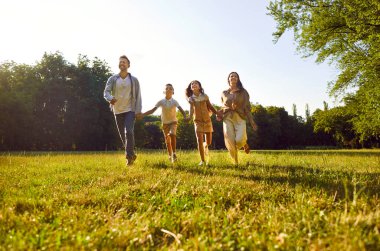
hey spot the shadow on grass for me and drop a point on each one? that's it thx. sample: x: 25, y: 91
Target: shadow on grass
x: 340, y: 184
x: 364, y: 153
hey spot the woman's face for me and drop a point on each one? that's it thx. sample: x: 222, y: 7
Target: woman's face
x: 195, y: 86
x: 233, y: 78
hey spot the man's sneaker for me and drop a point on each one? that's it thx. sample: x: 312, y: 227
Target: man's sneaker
x: 174, y: 158
x: 130, y: 160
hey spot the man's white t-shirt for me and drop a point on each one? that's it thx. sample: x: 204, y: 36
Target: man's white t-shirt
x: 123, y: 95
x: 168, y: 106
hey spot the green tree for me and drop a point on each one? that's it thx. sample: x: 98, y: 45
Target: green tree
x: 186, y: 138
x: 346, y: 33
x: 338, y: 123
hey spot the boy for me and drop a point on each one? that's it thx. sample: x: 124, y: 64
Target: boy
x: 168, y: 119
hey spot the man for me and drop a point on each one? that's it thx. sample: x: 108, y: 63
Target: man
x: 122, y: 91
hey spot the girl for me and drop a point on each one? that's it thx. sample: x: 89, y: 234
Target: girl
x: 236, y: 109
x: 200, y: 111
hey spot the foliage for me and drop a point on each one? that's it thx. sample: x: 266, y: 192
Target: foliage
x: 345, y: 32
x: 275, y: 200
x: 57, y: 105
x: 337, y: 122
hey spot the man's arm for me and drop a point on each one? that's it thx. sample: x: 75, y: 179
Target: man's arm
x: 107, y: 91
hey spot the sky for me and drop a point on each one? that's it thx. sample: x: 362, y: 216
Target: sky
x: 172, y: 41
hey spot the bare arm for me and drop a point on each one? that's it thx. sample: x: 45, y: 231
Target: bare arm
x: 248, y: 114
x: 150, y: 111
x: 182, y: 111
x: 211, y: 107
x: 191, y: 111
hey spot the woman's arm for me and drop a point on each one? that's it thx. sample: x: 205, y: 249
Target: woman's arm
x: 211, y: 107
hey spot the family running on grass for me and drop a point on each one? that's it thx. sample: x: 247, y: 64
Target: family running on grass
x: 122, y: 91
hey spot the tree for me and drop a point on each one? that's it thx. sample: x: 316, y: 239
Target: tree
x: 346, y: 33
x: 338, y: 123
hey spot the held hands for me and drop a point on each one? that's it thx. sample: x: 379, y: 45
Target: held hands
x: 140, y: 116
x: 219, y: 115
x: 113, y: 101
x: 254, y: 126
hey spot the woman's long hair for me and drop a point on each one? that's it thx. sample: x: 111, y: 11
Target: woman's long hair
x: 239, y: 84
x: 189, y: 92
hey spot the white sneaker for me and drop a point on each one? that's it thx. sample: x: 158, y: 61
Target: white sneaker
x: 201, y: 163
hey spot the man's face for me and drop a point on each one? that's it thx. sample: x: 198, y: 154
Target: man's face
x: 123, y: 64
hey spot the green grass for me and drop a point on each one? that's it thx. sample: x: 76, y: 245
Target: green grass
x: 274, y: 200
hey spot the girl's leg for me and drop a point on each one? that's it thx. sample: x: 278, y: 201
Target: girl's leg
x: 207, y: 143
x: 200, y: 145
x: 208, y: 138
x: 229, y: 138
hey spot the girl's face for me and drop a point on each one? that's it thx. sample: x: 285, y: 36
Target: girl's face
x: 233, y: 78
x: 195, y: 86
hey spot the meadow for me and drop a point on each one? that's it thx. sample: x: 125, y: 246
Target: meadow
x: 274, y: 200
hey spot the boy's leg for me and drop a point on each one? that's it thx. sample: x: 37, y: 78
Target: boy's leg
x: 173, y: 139
x: 166, y: 130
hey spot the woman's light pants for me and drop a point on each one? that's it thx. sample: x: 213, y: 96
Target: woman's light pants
x: 235, y: 134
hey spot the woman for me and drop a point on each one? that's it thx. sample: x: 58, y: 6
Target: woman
x: 236, y: 109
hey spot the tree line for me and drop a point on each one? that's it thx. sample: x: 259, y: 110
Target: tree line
x: 58, y: 105
x: 345, y: 33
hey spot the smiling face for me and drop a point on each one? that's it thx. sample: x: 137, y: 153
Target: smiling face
x: 233, y: 79
x: 195, y: 87
x: 123, y: 64
x: 169, y: 91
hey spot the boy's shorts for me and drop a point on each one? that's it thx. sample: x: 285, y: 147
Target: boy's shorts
x: 170, y: 129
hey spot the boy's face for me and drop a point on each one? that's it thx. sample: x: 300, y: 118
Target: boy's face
x: 169, y: 90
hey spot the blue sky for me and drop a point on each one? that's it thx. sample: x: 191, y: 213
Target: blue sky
x: 171, y: 41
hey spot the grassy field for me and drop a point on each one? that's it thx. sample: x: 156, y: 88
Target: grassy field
x: 274, y: 200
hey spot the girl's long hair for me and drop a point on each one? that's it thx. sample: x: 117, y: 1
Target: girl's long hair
x: 239, y: 84
x: 189, y: 92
